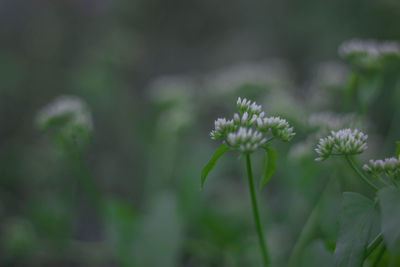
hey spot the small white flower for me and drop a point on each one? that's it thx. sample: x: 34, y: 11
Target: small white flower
x: 342, y: 142
x: 324, y: 148
x: 388, y: 166
x: 222, y: 128
x: 245, y: 105
x: 246, y: 140
x: 280, y: 128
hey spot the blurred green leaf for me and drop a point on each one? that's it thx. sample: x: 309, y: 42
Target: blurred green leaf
x: 390, y: 207
x: 269, y: 165
x: 358, y: 219
x: 316, y: 255
x: 398, y: 149
x: 222, y: 148
x: 121, y: 221
x: 160, y: 234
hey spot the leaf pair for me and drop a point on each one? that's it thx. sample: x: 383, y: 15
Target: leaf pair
x: 269, y: 163
x: 361, y: 221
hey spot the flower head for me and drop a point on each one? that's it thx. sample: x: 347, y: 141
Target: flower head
x: 246, y: 140
x: 342, y: 142
x: 222, y: 128
x: 367, y: 52
x: 68, y: 115
x: 280, y: 128
x: 388, y: 166
x: 249, y: 128
x: 245, y: 105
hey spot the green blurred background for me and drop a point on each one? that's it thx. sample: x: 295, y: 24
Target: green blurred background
x: 156, y: 74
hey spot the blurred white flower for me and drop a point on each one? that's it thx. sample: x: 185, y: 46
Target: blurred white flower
x: 330, y: 120
x: 68, y: 117
x: 342, y: 142
x: 171, y: 89
x: 366, y: 52
x: 273, y: 72
x: 66, y: 110
x: 389, y: 166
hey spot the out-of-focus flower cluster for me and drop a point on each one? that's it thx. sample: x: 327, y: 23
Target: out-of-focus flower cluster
x: 173, y: 95
x: 248, y: 75
x: 388, y: 166
x: 69, y: 116
x: 330, y: 120
x: 365, y: 53
x: 342, y: 142
x: 248, y: 129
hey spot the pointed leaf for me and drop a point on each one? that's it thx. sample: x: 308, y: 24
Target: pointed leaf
x: 390, y: 207
x: 269, y: 164
x: 359, y: 222
x: 398, y: 149
x: 222, y: 148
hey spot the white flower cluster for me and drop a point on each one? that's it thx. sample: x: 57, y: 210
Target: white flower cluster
x: 69, y: 114
x: 246, y: 140
x: 369, y: 49
x: 245, y: 105
x: 342, y: 142
x: 280, y: 128
x: 248, y: 129
x: 389, y: 166
x: 222, y: 128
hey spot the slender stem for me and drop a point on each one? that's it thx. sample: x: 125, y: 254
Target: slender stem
x: 255, y: 212
x: 362, y: 176
x: 381, y: 251
x: 84, y: 179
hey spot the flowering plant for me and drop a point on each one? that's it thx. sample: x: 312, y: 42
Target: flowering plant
x: 246, y: 132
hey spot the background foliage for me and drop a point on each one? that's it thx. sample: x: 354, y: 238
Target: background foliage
x: 155, y: 75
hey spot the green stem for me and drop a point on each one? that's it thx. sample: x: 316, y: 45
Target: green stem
x: 362, y: 176
x: 84, y: 179
x: 374, y: 244
x: 255, y: 212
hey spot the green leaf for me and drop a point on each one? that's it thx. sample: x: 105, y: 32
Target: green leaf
x: 390, y: 208
x: 222, y: 148
x: 160, y: 236
x: 359, y: 224
x: 398, y: 149
x: 269, y: 168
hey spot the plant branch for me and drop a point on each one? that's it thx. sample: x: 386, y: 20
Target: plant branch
x: 360, y: 174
